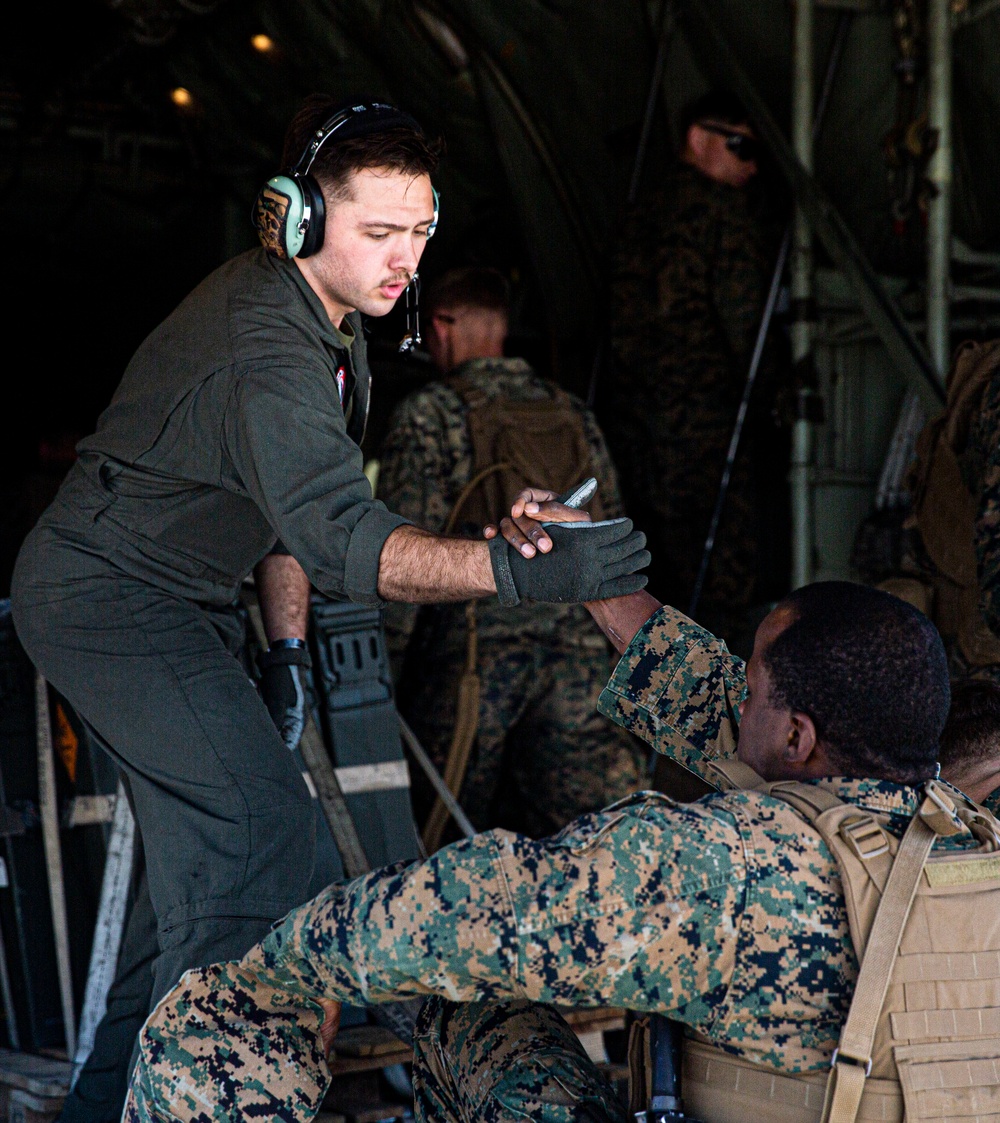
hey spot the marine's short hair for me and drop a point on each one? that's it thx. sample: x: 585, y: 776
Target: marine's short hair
x: 472, y: 286
x: 972, y: 732
x: 400, y: 148
x: 871, y: 672
x: 722, y: 106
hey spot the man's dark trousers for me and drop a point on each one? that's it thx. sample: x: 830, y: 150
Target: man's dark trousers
x: 227, y: 824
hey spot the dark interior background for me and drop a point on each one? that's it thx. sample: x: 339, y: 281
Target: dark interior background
x: 118, y: 200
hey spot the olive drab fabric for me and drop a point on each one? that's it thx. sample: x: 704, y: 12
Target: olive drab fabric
x: 955, y: 500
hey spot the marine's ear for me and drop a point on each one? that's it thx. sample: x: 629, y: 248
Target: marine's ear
x: 803, y: 741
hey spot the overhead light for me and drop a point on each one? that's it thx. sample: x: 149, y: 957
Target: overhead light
x: 181, y: 97
x: 262, y: 43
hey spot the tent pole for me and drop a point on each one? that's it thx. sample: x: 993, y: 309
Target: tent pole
x: 940, y: 174
x: 803, y: 314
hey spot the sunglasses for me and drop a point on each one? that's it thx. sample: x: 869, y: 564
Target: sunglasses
x: 744, y: 148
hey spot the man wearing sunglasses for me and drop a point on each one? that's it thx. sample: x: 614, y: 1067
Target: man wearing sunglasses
x: 689, y: 284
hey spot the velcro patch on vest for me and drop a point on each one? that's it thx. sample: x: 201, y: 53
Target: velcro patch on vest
x: 941, y: 967
x: 925, y: 1025
x: 963, y: 872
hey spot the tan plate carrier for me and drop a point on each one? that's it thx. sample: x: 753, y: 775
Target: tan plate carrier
x: 922, y: 1037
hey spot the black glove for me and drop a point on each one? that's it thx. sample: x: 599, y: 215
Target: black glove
x: 588, y: 561
x: 282, y: 692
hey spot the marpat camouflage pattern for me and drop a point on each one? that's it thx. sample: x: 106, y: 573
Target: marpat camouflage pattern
x: 727, y: 914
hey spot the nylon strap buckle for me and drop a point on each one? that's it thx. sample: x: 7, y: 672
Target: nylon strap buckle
x: 864, y: 836
x: 942, y: 817
x: 865, y: 1063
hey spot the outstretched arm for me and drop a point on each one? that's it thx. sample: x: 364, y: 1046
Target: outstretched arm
x: 423, y: 568
x: 622, y: 617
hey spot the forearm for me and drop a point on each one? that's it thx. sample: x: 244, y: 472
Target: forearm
x: 621, y: 618
x: 283, y: 591
x: 422, y: 568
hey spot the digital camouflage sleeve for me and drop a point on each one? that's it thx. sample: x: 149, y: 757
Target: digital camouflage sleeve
x: 728, y: 914
x: 678, y: 688
x: 985, y: 437
x: 652, y: 905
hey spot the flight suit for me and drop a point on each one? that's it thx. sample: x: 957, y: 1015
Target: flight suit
x: 237, y: 422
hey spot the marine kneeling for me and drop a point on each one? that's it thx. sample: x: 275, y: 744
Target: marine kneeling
x: 744, y: 915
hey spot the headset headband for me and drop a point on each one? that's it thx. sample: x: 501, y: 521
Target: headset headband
x: 354, y: 121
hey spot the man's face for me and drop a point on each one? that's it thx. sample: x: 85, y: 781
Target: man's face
x: 764, y: 726
x: 707, y: 151
x: 374, y: 239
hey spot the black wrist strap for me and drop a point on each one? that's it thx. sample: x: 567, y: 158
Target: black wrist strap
x: 500, y: 560
x: 284, y: 657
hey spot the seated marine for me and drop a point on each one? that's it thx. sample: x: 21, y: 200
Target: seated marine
x: 751, y: 915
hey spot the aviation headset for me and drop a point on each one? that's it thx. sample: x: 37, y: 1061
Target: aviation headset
x: 289, y: 214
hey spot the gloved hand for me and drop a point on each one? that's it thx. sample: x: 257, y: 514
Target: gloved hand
x: 588, y: 561
x: 282, y: 691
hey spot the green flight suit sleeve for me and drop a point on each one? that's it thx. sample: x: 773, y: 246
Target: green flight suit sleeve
x: 679, y: 689
x: 285, y: 434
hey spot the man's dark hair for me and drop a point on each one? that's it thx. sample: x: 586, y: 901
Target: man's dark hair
x: 401, y: 148
x: 721, y: 106
x: 871, y: 672
x: 474, y: 286
x: 972, y: 731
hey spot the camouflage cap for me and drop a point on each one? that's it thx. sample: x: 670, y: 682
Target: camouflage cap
x: 234, y: 1041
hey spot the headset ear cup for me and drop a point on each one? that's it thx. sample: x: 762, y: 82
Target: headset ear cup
x: 312, y: 194
x: 277, y: 215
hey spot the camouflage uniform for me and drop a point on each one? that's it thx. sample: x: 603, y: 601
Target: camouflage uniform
x: 690, y: 280
x: 727, y: 914
x: 543, y: 754
x: 981, y: 470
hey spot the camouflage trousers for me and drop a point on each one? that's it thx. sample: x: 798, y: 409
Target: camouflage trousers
x: 543, y: 754
x: 503, y: 1060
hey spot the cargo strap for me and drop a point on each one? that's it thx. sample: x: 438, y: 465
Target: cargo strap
x: 109, y: 928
